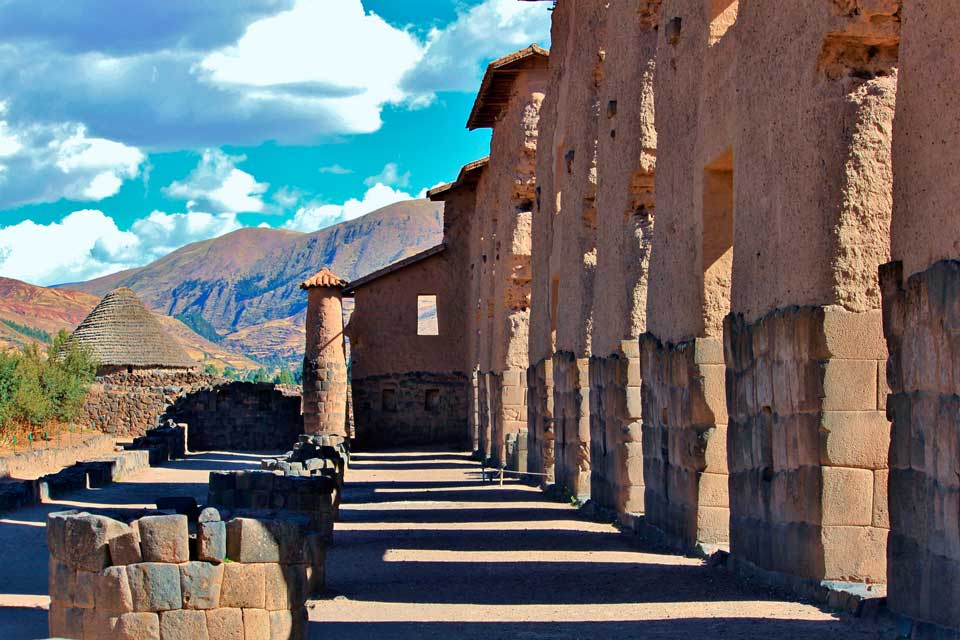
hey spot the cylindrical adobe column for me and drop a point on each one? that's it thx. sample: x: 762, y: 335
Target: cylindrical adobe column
x: 324, y: 362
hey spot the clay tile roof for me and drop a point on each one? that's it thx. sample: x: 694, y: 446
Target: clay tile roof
x: 469, y: 175
x: 497, y: 84
x: 121, y: 332
x: 324, y: 278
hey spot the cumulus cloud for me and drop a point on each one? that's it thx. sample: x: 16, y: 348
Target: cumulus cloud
x: 44, y: 163
x: 210, y: 74
x: 316, y: 217
x: 217, y: 185
x: 455, y: 53
x: 390, y: 176
x: 88, y: 243
x: 91, y: 25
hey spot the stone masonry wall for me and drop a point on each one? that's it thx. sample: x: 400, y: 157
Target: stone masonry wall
x: 684, y: 440
x: 411, y: 408
x: 127, y: 405
x: 616, y: 451
x: 807, y: 443
x: 922, y: 326
x: 540, y: 427
x: 155, y: 579
x: 240, y: 416
x: 571, y: 397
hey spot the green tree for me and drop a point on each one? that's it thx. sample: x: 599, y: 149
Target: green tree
x: 211, y: 370
x: 67, y: 375
x: 284, y: 377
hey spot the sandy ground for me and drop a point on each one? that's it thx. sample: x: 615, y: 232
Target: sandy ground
x: 426, y: 550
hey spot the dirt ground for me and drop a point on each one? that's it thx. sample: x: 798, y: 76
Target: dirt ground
x: 426, y: 550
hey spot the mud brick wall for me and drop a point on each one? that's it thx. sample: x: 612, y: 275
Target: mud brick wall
x: 616, y: 450
x: 684, y: 440
x: 240, y: 416
x: 411, y: 408
x: 540, y: 418
x: 127, y: 404
x: 808, y: 443
x: 165, y: 578
x: 922, y: 326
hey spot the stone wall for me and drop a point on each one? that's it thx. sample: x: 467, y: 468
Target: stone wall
x: 128, y: 404
x: 239, y: 416
x: 808, y: 442
x: 922, y: 325
x: 571, y: 411
x: 411, y: 408
x: 540, y: 427
x: 257, y: 492
x: 684, y: 441
x: 153, y: 579
x: 921, y: 299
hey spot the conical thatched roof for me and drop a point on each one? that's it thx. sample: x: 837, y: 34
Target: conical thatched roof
x: 121, y: 332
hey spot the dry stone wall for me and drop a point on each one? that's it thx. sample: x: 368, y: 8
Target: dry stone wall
x: 128, y: 404
x: 239, y: 416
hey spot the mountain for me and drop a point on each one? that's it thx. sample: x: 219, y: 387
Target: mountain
x: 29, y: 313
x: 244, y: 286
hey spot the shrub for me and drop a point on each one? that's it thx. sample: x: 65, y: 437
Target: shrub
x: 35, y: 389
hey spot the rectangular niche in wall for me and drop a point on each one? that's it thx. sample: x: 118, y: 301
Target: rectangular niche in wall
x: 427, y: 322
x: 718, y: 216
x: 388, y: 399
x: 431, y: 400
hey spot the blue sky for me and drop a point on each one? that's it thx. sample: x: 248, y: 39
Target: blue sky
x: 129, y: 128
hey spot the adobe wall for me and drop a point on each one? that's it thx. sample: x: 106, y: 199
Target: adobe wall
x: 626, y: 162
x: 239, y: 416
x: 393, y: 369
x: 769, y: 245
x: 921, y: 290
x: 565, y: 253
x: 505, y: 200
x: 128, y: 404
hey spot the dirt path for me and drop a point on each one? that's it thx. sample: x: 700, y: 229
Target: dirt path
x: 23, y: 545
x: 425, y: 550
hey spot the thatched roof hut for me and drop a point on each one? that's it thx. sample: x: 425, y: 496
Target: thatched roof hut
x: 120, y: 333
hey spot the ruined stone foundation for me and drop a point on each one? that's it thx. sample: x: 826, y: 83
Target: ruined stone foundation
x: 684, y: 440
x: 540, y: 435
x: 571, y: 401
x: 922, y: 326
x: 807, y: 443
x: 616, y: 452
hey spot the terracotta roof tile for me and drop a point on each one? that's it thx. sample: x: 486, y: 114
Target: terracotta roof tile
x: 323, y: 278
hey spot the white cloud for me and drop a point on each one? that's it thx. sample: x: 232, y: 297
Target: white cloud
x: 321, y: 68
x: 88, y: 244
x: 217, y: 185
x: 334, y: 169
x: 332, y: 52
x: 390, y: 176
x: 47, y: 162
x: 455, y: 53
x: 314, y: 218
